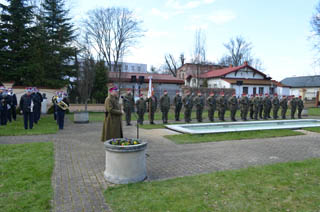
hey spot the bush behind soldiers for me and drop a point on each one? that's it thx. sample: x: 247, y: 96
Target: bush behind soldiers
x: 165, y: 106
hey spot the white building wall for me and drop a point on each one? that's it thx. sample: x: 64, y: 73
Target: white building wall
x: 283, y: 91
x: 245, y: 74
x: 239, y: 89
x: 218, y: 83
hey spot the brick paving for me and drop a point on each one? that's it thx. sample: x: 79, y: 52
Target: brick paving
x: 79, y: 159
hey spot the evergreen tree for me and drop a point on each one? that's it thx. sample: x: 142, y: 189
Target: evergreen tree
x: 59, y: 65
x: 100, y: 89
x: 16, y: 28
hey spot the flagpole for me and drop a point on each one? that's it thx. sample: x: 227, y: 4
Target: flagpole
x: 150, y: 97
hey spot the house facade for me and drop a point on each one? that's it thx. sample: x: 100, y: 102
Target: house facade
x: 244, y: 79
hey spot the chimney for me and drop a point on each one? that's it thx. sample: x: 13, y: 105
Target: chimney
x: 245, y: 63
x: 230, y: 66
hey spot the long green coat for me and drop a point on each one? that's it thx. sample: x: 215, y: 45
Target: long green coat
x: 112, y: 125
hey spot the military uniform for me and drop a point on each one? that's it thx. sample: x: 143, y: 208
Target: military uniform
x: 165, y: 107
x: 260, y: 106
x: 244, y: 106
x: 112, y: 125
x: 61, y: 113
x: 256, y: 107
x: 199, y: 103
x: 233, y: 106
x: 275, y: 106
x: 128, y: 107
x: 212, y: 104
x: 284, y: 107
x: 26, y: 105
x: 251, y: 102
x: 267, y: 104
x: 177, y: 101
x: 153, y: 107
x: 37, y: 97
x: 300, y: 107
x: 13, y: 104
x: 3, y: 107
x: 141, y: 106
x: 221, y: 106
x: 293, y: 105
x: 188, y: 104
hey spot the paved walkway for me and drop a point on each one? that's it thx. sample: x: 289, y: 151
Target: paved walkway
x: 79, y: 159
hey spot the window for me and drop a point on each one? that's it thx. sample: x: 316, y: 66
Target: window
x: 139, y: 69
x: 254, y: 91
x: 272, y: 90
x: 260, y: 90
x: 245, y: 90
x: 126, y: 68
x: 132, y: 68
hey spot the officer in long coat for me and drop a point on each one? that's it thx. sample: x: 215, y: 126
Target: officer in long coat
x: 152, y: 106
x: 165, y: 106
x: 293, y: 105
x: 284, y: 106
x: 212, y: 104
x: 233, y: 106
x: 128, y: 106
x: 275, y: 105
x: 112, y: 125
x: 244, y: 106
x: 187, y: 104
x: 221, y: 105
x: 141, y: 106
x: 177, y: 101
x: 300, y: 106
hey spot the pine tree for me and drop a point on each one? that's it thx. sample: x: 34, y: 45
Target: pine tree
x: 60, y: 35
x: 16, y: 34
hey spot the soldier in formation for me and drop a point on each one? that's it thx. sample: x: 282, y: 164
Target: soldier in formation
x: 212, y: 104
x: 221, y: 106
x: 244, y: 106
x: 26, y: 106
x: 141, y: 109
x: 256, y: 106
x: 199, y: 103
x: 188, y: 104
x: 152, y: 107
x: 165, y: 106
x: 37, y: 97
x: 284, y: 106
x: 275, y: 106
x: 128, y: 106
x: 251, y: 101
x: 177, y: 101
x: 260, y: 106
x: 293, y: 106
x: 300, y: 106
x: 3, y: 106
x: 12, y: 102
x: 267, y: 104
x: 233, y: 106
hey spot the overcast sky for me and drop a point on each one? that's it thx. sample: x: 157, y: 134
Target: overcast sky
x: 277, y: 29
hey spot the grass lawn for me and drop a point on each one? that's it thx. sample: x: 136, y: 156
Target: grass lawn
x: 313, y: 129
x: 93, y: 116
x: 25, y: 177
x: 314, y: 111
x: 45, y: 126
x: 189, y: 139
x: 290, y: 186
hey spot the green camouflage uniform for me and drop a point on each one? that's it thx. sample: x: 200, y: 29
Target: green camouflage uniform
x: 256, y: 107
x: 141, y: 109
x: 199, y: 103
x: 165, y: 106
x: 177, y: 101
x: 275, y: 106
x: 221, y: 106
x: 128, y: 107
x: 244, y: 106
x: 212, y: 104
x: 154, y: 102
x: 260, y: 107
x: 300, y: 107
x: 251, y: 103
x: 233, y: 106
x: 284, y: 107
x: 266, y: 107
x: 188, y: 104
x: 293, y: 105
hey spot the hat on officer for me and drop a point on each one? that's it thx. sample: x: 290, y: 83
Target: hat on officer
x: 115, y: 88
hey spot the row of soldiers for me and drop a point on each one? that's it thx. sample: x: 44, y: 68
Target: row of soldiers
x: 8, y: 104
x: 256, y: 106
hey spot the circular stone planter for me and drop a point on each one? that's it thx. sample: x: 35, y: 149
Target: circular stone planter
x: 81, y: 117
x: 304, y: 112
x: 125, y: 164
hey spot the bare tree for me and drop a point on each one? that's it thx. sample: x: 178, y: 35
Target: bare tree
x: 172, y: 65
x: 112, y: 32
x: 240, y: 51
x: 315, y: 26
x: 199, y: 52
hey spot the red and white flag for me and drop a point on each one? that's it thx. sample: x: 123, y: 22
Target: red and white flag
x: 150, y: 90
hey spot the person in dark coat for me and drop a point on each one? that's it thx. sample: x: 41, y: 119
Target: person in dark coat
x: 177, y: 101
x: 60, y: 110
x: 13, y: 104
x: 37, y: 104
x: 3, y: 106
x: 112, y: 125
x: 141, y: 106
x: 26, y: 106
x: 128, y: 105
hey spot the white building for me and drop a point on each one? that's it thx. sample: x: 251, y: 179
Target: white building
x: 244, y: 79
x: 131, y: 67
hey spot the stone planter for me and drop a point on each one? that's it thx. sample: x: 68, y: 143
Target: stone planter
x: 125, y: 164
x: 304, y: 112
x: 81, y: 117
